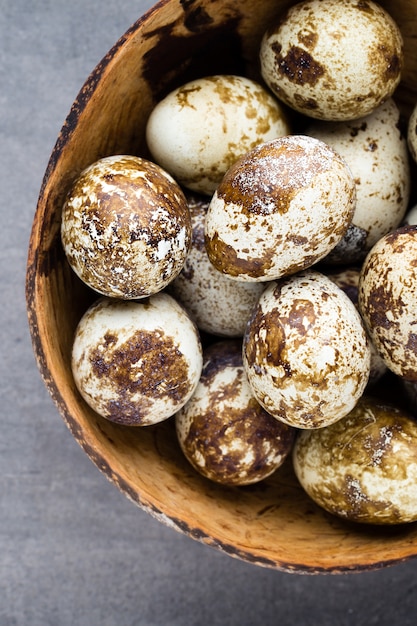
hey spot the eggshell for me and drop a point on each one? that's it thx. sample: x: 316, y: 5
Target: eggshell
x: 305, y: 351
x: 136, y: 362
x: 348, y: 280
x: 364, y: 467
x: 279, y: 209
x: 198, y: 130
x: 224, y: 433
x: 219, y: 306
x: 126, y: 229
x: 376, y: 151
x: 387, y: 299
x: 333, y: 60
x: 412, y: 133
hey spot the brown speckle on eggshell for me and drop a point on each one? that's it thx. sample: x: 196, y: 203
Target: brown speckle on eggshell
x: 306, y: 353
x: 223, y: 431
x: 348, y: 280
x: 333, y: 60
x: 126, y: 229
x: 279, y: 209
x: 387, y: 299
x: 136, y: 362
x: 219, y: 305
x: 364, y: 467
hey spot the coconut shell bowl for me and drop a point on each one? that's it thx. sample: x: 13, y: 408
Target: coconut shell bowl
x: 273, y: 523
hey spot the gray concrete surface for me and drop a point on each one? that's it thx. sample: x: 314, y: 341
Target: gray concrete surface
x: 73, y: 550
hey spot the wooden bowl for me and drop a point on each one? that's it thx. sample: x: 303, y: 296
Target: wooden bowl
x: 273, y: 524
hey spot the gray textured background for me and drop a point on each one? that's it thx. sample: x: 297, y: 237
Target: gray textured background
x: 73, y: 550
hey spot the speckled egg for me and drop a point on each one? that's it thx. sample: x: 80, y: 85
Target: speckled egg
x: 412, y: 133
x: 136, y: 362
x: 220, y: 306
x: 198, y: 130
x: 348, y: 280
x: 126, y: 228
x: 387, y: 299
x: 375, y: 149
x: 333, y: 60
x: 364, y: 467
x: 224, y: 433
x: 306, y: 353
x: 279, y: 209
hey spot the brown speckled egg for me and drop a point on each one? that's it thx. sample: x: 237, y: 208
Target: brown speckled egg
x: 364, y: 467
x: 333, y: 60
x: 348, y: 280
x: 219, y: 305
x: 198, y: 130
x: 306, y: 352
x: 136, y: 362
x: 387, y: 299
x: 279, y: 209
x: 126, y: 229
x: 412, y: 133
x: 224, y: 433
x: 376, y: 151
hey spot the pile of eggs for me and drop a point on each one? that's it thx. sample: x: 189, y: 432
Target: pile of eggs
x: 256, y: 279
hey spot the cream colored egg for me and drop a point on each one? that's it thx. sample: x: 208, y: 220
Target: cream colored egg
x: 306, y: 353
x: 387, y: 299
x: 348, y: 280
x: 364, y: 467
x: 220, y: 306
x: 224, y: 433
x: 412, y: 133
x: 198, y: 130
x: 279, y: 209
x: 376, y: 151
x: 125, y: 228
x: 333, y: 60
x: 136, y: 362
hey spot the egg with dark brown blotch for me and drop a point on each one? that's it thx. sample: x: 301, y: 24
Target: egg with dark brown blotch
x: 387, y: 299
x: 223, y: 431
x: 279, y: 209
x: 376, y: 151
x: 125, y: 227
x: 333, y: 60
x: 364, y: 467
x: 202, y: 127
x: 136, y: 362
x: 219, y: 305
x: 348, y: 280
x: 306, y: 352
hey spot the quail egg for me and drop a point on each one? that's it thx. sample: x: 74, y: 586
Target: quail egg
x: 223, y: 431
x: 306, y: 352
x: 136, y: 362
x: 126, y: 228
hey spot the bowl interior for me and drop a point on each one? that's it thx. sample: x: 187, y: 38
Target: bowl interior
x: 274, y: 523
